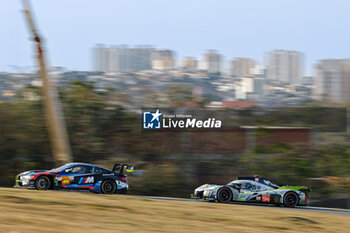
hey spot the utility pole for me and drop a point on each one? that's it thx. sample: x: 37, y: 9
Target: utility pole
x: 53, y: 110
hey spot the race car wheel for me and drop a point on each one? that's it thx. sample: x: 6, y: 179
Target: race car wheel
x: 108, y: 187
x: 224, y: 195
x: 42, y: 183
x: 290, y: 199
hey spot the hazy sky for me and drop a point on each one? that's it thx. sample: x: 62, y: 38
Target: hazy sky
x: 236, y: 28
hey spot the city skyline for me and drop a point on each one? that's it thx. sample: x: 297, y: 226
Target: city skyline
x: 235, y: 29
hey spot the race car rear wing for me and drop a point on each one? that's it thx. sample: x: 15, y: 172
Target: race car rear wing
x: 120, y: 168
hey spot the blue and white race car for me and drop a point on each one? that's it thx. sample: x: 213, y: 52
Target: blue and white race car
x: 254, y: 189
x: 77, y: 176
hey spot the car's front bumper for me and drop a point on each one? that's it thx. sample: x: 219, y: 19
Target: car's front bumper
x: 20, y: 182
x: 205, y: 194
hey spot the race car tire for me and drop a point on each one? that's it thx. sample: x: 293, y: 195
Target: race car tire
x: 42, y: 183
x: 108, y: 187
x: 224, y: 195
x: 290, y: 199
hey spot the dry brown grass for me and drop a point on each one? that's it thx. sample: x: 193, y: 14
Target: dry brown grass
x: 50, y: 211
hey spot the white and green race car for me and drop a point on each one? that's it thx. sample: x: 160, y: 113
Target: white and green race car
x: 254, y: 189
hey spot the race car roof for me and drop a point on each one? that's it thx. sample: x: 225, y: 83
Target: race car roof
x: 260, y: 180
x: 86, y: 164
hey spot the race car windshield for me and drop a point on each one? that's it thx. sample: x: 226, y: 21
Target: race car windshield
x: 61, y: 168
x: 233, y: 183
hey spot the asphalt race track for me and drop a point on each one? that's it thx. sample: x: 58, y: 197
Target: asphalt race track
x: 345, y: 212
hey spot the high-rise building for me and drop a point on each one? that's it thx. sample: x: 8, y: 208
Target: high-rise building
x: 140, y: 58
x: 113, y: 59
x: 242, y: 67
x: 100, y: 58
x: 212, y: 62
x: 162, y: 59
x: 251, y: 88
x: 120, y: 58
x: 332, y: 81
x: 189, y: 64
x: 284, y: 66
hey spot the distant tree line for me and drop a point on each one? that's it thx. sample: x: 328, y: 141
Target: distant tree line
x: 102, y: 131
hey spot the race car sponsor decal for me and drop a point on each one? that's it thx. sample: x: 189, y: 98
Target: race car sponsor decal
x: 121, y: 185
x: 89, y: 179
x: 86, y: 180
x: 265, y: 198
x: 258, y: 198
x: 65, y: 180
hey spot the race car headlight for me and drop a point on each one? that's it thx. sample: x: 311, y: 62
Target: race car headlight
x: 27, y: 177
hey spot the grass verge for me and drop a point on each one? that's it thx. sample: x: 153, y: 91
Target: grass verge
x: 54, y: 211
